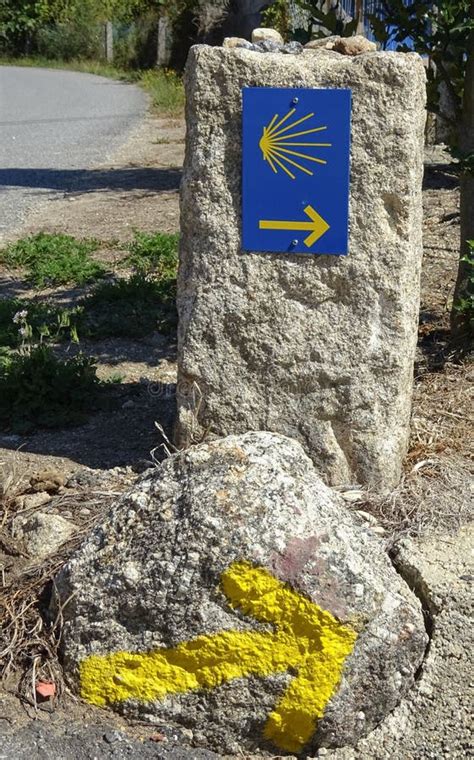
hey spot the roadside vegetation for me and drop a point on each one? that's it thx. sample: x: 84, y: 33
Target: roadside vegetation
x: 39, y: 385
x: 54, y: 259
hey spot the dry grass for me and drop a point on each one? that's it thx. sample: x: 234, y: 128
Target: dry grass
x: 436, y: 489
x: 442, y: 419
x: 29, y: 636
x: 433, y: 495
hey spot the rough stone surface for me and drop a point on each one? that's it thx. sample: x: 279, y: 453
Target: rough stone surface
x: 233, y: 42
x: 47, y: 480
x: 319, y: 348
x: 354, y: 45
x: 263, y: 33
x: 42, y: 533
x: 32, y: 500
x: 435, y: 720
x: 149, y: 578
x: 345, y: 45
x: 324, y: 43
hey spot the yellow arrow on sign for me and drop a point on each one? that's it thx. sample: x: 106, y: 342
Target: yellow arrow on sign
x: 306, y: 638
x: 317, y: 226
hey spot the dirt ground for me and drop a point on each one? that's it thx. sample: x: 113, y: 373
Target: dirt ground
x: 139, y: 190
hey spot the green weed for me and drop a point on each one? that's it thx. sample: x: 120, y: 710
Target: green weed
x: 464, y: 305
x: 155, y: 252
x: 44, y: 321
x: 38, y: 389
x: 129, y: 308
x: 165, y: 89
x: 54, y: 259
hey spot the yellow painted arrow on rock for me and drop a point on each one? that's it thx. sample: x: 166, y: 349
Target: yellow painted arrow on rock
x: 317, y: 226
x: 307, y: 639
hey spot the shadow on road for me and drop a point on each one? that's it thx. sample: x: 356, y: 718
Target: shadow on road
x: 88, y: 181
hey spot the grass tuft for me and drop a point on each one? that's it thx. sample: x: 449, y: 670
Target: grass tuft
x: 155, y: 252
x: 52, y: 259
x: 165, y: 89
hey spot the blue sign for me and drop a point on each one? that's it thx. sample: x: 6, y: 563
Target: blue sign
x: 295, y: 184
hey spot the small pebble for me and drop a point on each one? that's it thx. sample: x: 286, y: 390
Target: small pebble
x: 113, y: 736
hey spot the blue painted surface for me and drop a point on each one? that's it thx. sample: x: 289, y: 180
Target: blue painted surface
x: 270, y: 194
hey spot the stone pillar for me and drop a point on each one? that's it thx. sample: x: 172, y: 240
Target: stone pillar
x: 318, y: 348
x: 163, y: 46
x: 109, y: 41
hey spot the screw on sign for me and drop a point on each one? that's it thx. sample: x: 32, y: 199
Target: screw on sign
x: 296, y: 170
x: 306, y: 639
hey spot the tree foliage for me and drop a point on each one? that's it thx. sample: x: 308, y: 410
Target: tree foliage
x: 320, y: 19
x: 439, y: 31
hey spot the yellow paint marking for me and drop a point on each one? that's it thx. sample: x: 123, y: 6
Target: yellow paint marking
x: 276, y: 141
x: 290, y: 126
x: 271, y: 129
x: 300, y: 155
x: 285, y: 168
x: 317, y: 225
x: 306, y: 132
x: 301, y: 144
x: 290, y: 161
x: 272, y: 164
x: 306, y: 638
x: 272, y: 122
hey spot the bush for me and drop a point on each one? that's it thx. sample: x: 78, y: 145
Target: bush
x: 54, y: 259
x: 38, y: 389
x: 463, y: 307
x: 135, y: 42
x: 68, y: 41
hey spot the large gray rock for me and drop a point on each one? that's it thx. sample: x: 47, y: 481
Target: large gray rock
x: 241, y: 536
x: 319, y: 348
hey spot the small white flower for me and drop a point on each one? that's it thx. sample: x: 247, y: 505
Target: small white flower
x: 20, y: 316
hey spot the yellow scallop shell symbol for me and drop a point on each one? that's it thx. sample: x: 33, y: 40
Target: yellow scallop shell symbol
x: 277, y: 144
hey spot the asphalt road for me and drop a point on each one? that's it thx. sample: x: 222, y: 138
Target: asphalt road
x: 54, y: 127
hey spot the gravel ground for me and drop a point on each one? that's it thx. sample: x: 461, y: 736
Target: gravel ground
x: 83, y: 742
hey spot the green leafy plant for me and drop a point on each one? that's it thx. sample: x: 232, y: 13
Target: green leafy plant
x: 165, y: 88
x: 320, y: 20
x: 54, y: 259
x: 437, y: 30
x: 42, y: 321
x: 130, y: 308
x: 464, y: 305
x: 39, y: 389
x: 277, y: 16
x: 155, y: 252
